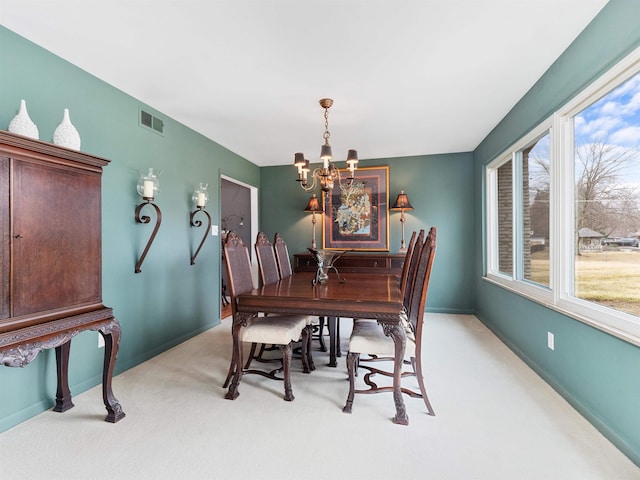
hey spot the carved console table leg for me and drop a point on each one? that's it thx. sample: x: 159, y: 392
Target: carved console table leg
x: 63, y: 394
x: 111, y: 334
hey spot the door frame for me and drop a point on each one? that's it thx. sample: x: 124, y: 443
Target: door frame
x: 254, y: 226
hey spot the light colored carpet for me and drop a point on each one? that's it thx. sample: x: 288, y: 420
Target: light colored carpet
x: 495, y: 419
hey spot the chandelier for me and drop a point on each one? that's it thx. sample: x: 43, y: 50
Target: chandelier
x: 328, y: 175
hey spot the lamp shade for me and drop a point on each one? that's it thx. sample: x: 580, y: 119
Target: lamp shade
x: 298, y: 160
x: 402, y: 202
x: 313, y: 205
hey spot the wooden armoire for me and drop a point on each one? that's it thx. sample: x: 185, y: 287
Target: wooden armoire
x: 51, y: 259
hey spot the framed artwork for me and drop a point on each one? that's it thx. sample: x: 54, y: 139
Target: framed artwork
x: 357, y: 217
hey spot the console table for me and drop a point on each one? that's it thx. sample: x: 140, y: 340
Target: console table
x: 51, y: 259
x: 355, y: 262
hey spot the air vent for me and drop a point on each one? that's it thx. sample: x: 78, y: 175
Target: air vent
x: 152, y: 122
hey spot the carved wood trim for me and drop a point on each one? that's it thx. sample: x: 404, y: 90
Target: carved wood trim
x: 13, y: 142
x: 21, y: 347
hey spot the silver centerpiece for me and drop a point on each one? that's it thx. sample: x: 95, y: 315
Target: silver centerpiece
x: 326, y: 260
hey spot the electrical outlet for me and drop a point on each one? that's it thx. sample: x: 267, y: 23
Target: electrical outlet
x: 551, y: 341
x: 214, y: 230
x: 100, y: 340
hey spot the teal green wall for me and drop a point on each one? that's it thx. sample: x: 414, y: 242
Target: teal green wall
x: 596, y: 372
x: 440, y: 188
x: 170, y: 300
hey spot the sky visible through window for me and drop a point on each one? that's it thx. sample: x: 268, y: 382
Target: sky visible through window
x: 615, y: 120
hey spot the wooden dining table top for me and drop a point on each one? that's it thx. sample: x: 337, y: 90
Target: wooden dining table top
x: 360, y: 295
x: 352, y: 295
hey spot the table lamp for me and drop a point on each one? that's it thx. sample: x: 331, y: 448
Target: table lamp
x: 313, y: 206
x: 402, y: 204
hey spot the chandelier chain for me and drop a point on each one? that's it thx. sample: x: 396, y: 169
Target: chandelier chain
x: 326, y: 134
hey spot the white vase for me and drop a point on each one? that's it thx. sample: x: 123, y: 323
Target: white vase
x: 66, y: 134
x: 22, y: 124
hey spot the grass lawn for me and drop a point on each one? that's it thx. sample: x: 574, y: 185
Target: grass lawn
x: 610, y: 278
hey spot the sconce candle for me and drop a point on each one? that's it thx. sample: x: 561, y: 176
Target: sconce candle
x: 200, y: 195
x: 148, y: 183
x: 147, y: 189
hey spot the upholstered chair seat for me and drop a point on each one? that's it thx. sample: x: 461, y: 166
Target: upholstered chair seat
x: 274, y: 330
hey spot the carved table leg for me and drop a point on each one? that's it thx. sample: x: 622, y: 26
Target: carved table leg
x: 396, y: 331
x: 111, y: 334
x: 332, y: 321
x: 287, y: 352
x: 307, y: 359
x: 63, y: 394
x: 236, y: 358
x: 323, y: 347
x: 352, y: 359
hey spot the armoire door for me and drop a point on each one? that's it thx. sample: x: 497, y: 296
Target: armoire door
x: 55, y: 236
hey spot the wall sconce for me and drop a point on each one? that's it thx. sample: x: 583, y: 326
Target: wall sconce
x: 313, y: 206
x: 402, y: 204
x: 200, y: 199
x: 148, y: 187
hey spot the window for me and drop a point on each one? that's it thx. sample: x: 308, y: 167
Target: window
x: 563, y: 207
x: 536, y: 182
x: 505, y: 218
x: 607, y: 199
x: 521, y: 182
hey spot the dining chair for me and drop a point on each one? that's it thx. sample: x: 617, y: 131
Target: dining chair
x: 406, y: 277
x: 268, y: 273
x: 368, y: 337
x: 281, y: 330
x: 284, y: 267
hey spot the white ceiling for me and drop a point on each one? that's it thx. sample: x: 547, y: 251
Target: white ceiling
x: 407, y: 77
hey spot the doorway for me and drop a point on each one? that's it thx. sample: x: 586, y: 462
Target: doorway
x: 238, y: 213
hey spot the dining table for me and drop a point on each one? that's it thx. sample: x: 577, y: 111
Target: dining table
x: 348, y: 296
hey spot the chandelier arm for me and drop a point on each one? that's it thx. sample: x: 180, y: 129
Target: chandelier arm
x: 315, y: 174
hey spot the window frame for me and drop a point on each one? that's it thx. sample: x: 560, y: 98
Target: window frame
x: 559, y: 294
